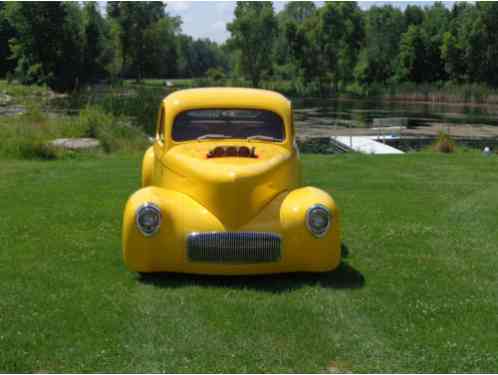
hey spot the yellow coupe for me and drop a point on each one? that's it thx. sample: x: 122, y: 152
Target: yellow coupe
x: 221, y: 191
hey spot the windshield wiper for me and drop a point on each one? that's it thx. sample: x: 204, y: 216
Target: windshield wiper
x: 262, y: 137
x: 212, y: 136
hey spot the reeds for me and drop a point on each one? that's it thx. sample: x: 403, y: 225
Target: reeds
x: 447, y: 92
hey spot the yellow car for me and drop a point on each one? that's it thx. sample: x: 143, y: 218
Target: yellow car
x: 221, y: 191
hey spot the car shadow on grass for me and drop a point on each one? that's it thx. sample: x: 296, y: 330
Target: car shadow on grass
x: 343, y: 277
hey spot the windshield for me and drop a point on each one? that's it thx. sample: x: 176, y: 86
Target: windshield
x: 203, y: 124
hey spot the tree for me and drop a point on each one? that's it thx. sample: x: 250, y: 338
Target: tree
x: 308, y: 52
x: 252, y: 32
x: 350, y: 39
x: 452, y: 46
x: 383, y: 29
x: 7, y: 32
x: 69, y: 66
x: 434, y: 26
x: 196, y: 57
x: 328, y: 34
x: 185, y: 56
x: 478, y: 42
x: 114, y: 51
x: 326, y: 45
x: 160, y: 60
x: 452, y: 55
x: 293, y: 12
x: 412, y: 56
x: 135, y: 18
x: 420, y: 58
x: 298, y: 11
x: 97, y: 53
x: 414, y: 15
x: 49, y: 43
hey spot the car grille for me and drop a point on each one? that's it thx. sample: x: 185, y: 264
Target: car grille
x: 233, y: 247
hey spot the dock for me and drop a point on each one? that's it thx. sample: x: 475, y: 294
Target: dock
x: 367, y: 144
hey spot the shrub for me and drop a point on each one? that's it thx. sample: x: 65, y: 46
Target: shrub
x: 91, y: 119
x: 121, y: 136
x: 215, y: 74
x: 115, y: 133
x: 34, y: 114
x: 141, y: 106
x: 36, y: 149
x: 444, y: 143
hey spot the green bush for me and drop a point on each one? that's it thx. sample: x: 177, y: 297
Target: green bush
x: 215, y: 74
x: 115, y: 133
x: 36, y: 149
x: 91, y: 119
x: 444, y: 143
x: 141, y: 106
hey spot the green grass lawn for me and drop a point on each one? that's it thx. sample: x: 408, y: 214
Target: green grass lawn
x: 422, y: 232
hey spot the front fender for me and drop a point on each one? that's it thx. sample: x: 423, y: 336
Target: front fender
x: 148, y: 166
x: 315, y: 254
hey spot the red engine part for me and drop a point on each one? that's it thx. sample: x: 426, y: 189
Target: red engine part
x: 232, y: 151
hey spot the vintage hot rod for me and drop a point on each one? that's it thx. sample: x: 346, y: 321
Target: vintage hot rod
x: 221, y: 191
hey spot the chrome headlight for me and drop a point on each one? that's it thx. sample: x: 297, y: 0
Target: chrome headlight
x: 318, y: 220
x: 148, y: 219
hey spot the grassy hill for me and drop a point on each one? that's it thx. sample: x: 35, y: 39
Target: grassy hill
x: 418, y: 292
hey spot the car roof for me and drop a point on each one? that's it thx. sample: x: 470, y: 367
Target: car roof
x: 227, y: 97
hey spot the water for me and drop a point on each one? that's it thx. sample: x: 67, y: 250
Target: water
x: 318, y: 117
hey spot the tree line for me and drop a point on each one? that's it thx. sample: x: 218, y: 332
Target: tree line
x: 68, y: 44
x: 338, y: 45
x: 332, y: 48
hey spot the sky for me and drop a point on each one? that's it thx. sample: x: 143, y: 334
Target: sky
x: 202, y: 19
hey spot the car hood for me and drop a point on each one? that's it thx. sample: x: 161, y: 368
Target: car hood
x: 235, y: 189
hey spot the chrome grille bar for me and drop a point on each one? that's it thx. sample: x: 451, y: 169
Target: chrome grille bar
x: 234, y: 247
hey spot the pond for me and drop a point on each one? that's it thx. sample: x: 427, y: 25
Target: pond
x: 318, y: 117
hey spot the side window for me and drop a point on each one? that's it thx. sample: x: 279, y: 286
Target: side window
x: 160, y: 126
